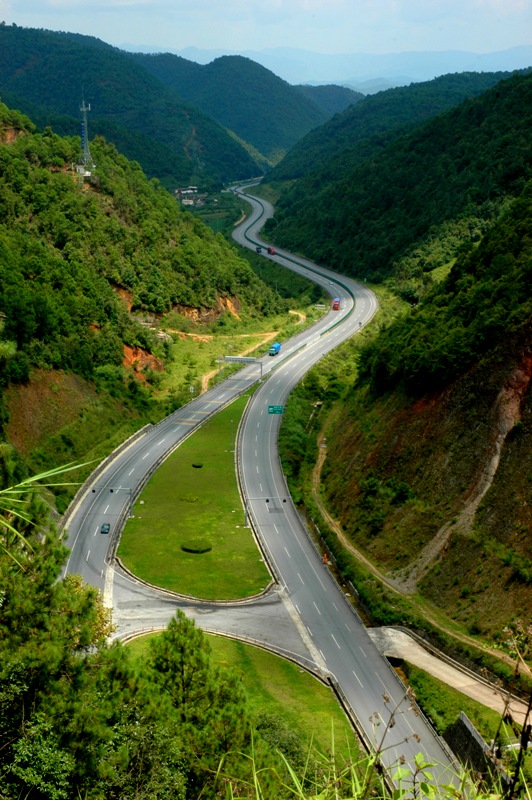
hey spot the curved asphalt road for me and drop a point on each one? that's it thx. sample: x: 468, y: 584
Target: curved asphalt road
x: 338, y: 641
x: 307, y: 616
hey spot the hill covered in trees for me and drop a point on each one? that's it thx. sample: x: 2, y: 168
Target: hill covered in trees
x: 364, y: 215
x: 332, y: 99
x: 183, y: 122
x: 427, y: 422
x: 372, y: 122
x: 45, y: 75
x: 243, y: 96
x: 84, y: 260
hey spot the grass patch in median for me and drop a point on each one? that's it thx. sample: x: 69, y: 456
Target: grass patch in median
x: 275, y: 686
x: 188, y: 531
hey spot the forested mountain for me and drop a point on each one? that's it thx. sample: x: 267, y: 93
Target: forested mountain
x: 245, y: 97
x: 365, y: 215
x: 426, y: 428
x: 71, y: 251
x: 332, y: 99
x: 428, y: 432
x: 46, y: 75
x: 365, y: 128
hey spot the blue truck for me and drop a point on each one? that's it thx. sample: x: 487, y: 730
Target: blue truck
x: 274, y: 349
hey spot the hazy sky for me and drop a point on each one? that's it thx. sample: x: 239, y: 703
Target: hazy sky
x: 325, y: 26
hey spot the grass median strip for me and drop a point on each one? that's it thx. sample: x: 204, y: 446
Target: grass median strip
x: 188, y: 531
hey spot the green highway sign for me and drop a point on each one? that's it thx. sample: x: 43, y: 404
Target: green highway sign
x: 275, y: 409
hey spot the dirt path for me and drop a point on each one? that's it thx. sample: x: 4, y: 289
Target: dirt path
x: 508, y: 412
x: 302, y: 317
x: 333, y: 524
x: 264, y: 338
x: 394, y: 585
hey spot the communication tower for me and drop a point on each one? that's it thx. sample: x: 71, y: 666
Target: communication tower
x: 86, y: 158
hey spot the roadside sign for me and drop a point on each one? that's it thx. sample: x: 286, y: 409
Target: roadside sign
x: 275, y: 409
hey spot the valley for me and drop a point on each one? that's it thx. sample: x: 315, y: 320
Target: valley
x: 406, y: 447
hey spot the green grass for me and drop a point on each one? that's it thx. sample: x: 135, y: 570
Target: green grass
x: 276, y: 686
x: 183, y: 505
x: 195, y: 349
x: 443, y: 704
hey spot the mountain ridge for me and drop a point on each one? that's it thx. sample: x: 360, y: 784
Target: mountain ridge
x: 301, y: 66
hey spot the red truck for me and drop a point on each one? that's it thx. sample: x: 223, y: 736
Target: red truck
x: 336, y: 304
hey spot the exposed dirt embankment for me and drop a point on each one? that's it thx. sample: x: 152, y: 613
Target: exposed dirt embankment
x: 44, y: 405
x: 507, y: 413
x: 139, y: 360
x: 436, y: 493
x: 9, y: 135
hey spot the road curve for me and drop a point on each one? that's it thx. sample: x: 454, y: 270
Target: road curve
x: 337, y: 639
x: 308, y: 616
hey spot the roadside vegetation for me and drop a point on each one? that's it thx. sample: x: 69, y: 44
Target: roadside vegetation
x: 82, y: 717
x: 402, y: 453
x: 282, y: 697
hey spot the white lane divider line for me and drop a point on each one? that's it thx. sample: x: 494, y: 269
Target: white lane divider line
x: 358, y: 679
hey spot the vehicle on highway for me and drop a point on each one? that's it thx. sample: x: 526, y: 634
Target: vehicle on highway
x: 271, y: 251
x: 274, y: 349
x: 258, y: 249
x: 336, y: 304
x: 105, y: 528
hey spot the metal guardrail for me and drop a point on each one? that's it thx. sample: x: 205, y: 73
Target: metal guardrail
x: 102, y: 466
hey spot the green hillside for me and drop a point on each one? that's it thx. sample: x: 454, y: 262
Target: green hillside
x: 330, y: 98
x: 364, y: 129
x: 83, y: 264
x: 426, y: 428
x: 46, y: 74
x: 368, y: 214
x: 245, y: 97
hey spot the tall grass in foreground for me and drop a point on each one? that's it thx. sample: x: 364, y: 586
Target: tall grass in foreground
x: 323, y: 779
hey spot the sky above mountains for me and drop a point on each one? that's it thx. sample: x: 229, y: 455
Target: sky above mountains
x: 324, y: 26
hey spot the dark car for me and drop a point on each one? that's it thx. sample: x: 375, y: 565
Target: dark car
x: 105, y: 528
x: 258, y: 249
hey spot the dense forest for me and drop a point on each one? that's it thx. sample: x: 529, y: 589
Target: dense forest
x: 370, y: 213
x: 243, y: 96
x: 374, y: 121
x: 78, y: 256
x: 485, y: 298
x: 183, y: 122
x: 46, y: 75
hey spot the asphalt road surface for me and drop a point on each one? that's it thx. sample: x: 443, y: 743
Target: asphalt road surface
x: 306, y: 615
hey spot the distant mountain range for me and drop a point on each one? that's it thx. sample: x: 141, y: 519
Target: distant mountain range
x: 366, y: 72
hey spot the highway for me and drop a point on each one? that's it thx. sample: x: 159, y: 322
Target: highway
x: 307, y: 612
x: 338, y: 641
